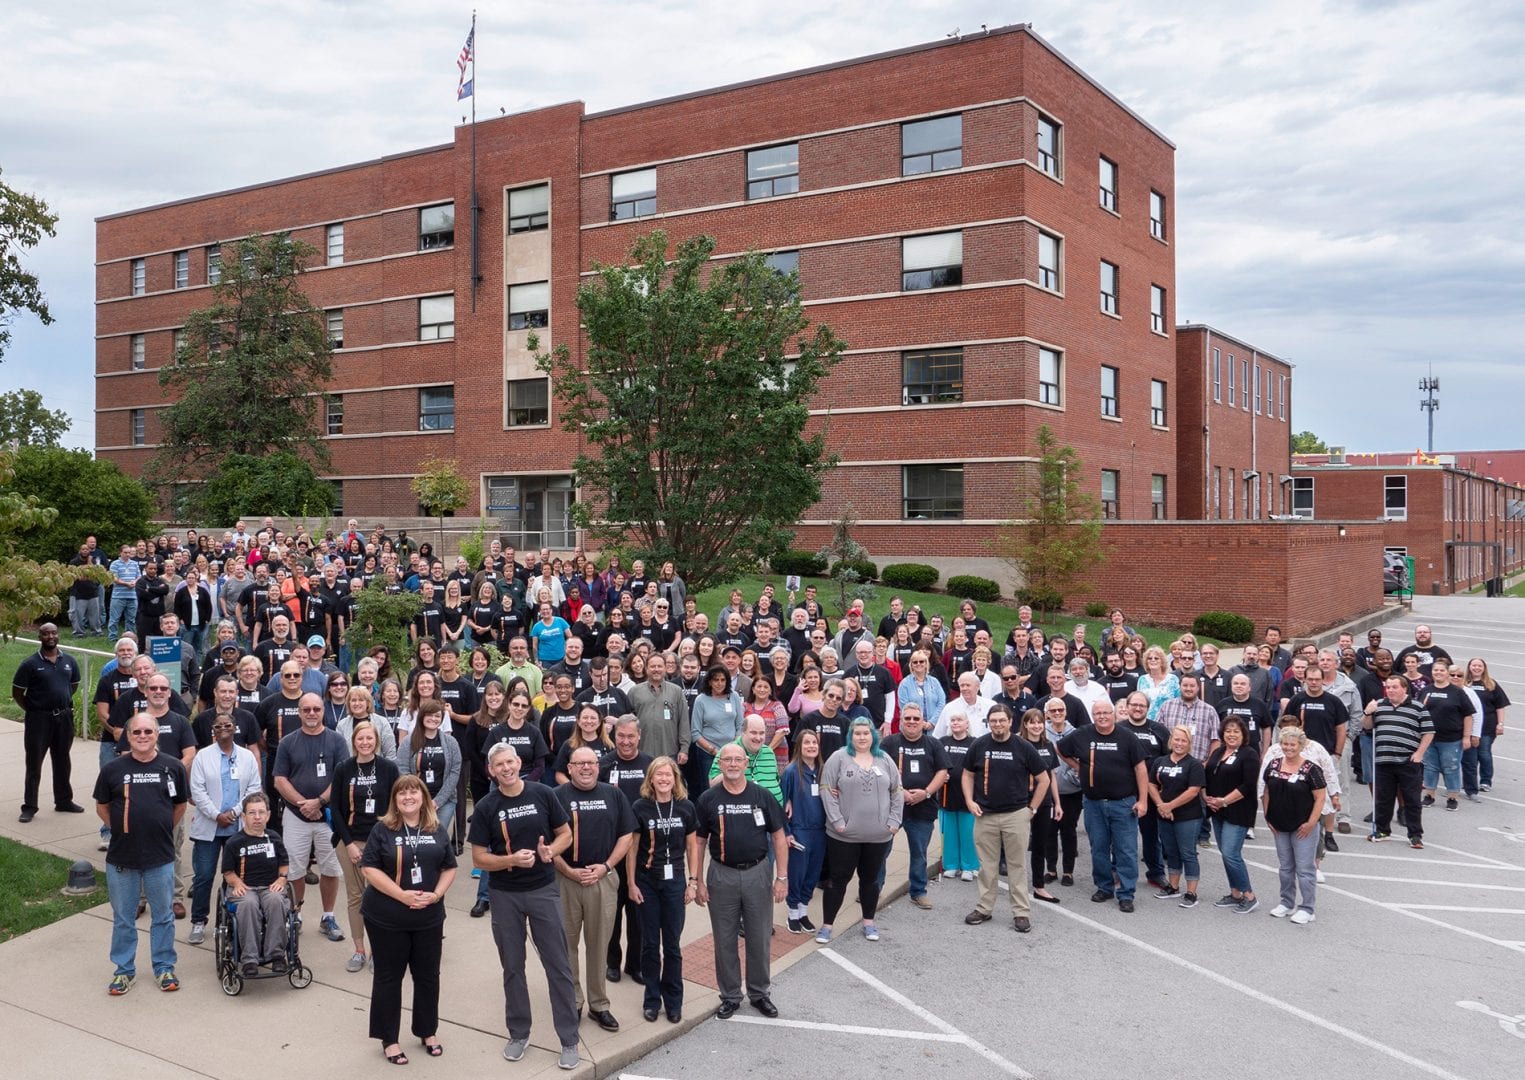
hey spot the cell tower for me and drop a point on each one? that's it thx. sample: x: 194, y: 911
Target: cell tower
x: 1429, y: 403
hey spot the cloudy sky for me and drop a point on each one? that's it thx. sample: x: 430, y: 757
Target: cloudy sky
x: 1349, y: 174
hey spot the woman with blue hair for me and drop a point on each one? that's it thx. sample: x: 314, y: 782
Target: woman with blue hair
x: 860, y: 790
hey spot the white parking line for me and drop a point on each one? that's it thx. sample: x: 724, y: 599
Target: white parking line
x: 854, y: 1029
x: 1425, y: 881
x: 1450, y: 907
x: 1416, y: 860
x: 1500, y: 863
x: 1495, y: 798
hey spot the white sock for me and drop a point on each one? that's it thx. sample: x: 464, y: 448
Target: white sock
x: 328, y: 914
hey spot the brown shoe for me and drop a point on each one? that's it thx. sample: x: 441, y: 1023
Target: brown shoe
x: 1022, y: 924
x: 179, y: 910
x: 974, y: 918
x: 922, y: 902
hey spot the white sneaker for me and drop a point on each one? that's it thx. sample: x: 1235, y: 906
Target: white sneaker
x: 1302, y: 917
x: 1280, y: 911
x: 949, y: 875
x: 967, y: 875
x: 1318, y: 876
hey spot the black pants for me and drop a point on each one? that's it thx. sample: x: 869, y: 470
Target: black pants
x: 843, y: 859
x: 628, y: 919
x: 1406, y: 780
x: 1065, y: 833
x: 396, y: 952
x: 661, y: 918
x: 1044, y: 834
x: 46, y: 732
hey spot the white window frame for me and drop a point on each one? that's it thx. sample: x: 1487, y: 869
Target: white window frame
x: 182, y: 269
x: 1109, y: 402
x: 1390, y: 512
x: 139, y: 277
x: 1281, y: 399
x: 137, y: 420
x: 1159, y: 396
x: 434, y: 322
x: 334, y: 321
x: 1109, y: 300
x: 1050, y: 276
x: 1256, y: 377
x: 214, y: 264
x: 333, y: 414
x: 1106, y: 182
x: 1051, y: 390
x: 333, y: 242
x: 1303, y: 486
x: 138, y: 346
x: 1217, y: 375
x: 1244, y: 383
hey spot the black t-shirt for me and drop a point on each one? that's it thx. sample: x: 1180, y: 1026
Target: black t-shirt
x: 1493, y: 700
x: 739, y: 828
x: 459, y: 695
x: 308, y: 761
x: 599, y: 818
x: 1427, y: 657
x: 361, y: 794
x: 1051, y: 764
x: 1173, y: 778
x: 610, y: 701
x: 506, y: 823
x: 429, y: 763
x: 564, y: 755
x: 831, y: 730
x: 110, y: 688
x: 1074, y: 709
x: 1216, y: 688
x: 175, y: 735
x: 662, y: 831
x: 1105, y: 762
x: 625, y: 775
x: 1253, y: 711
x: 47, y: 685
x: 1227, y: 772
x: 875, y: 688
x: 1118, y: 686
x: 529, y: 743
x: 142, y: 796
x: 257, y: 860
x: 1004, y: 772
x: 272, y: 654
x: 558, y: 722
x: 278, y: 716
x: 1323, y: 716
x: 1151, y: 734
x: 1289, y: 799
x: 245, y: 728
x: 918, y: 761
x: 955, y: 751
x: 1450, y: 711
x: 415, y: 860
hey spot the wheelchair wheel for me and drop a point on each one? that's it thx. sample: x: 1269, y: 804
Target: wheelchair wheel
x: 232, y: 981
x: 300, y: 977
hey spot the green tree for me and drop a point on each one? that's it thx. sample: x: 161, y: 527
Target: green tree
x: 1305, y: 442
x: 24, y: 421
x: 24, y: 220
x: 251, y: 374
x: 382, y: 618
x: 692, y: 399
x: 441, y: 490
x: 93, y: 497
x: 841, y: 555
x: 28, y: 587
x: 280, y: 484
x: 1056, y: 540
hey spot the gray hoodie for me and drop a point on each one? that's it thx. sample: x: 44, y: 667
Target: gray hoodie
x: 1069, y: 781
x: 868, y: 802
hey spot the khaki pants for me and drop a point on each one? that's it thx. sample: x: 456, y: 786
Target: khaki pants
x: 991, y: 832
x: 183, y: 874
x: 354, y: 889
x: 588, y: 914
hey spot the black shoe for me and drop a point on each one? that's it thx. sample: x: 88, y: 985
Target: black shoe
x: 278, y: 965
x: 650, y: 1014
x: 70, y: 808
x: 1329, y: 843
x: 1125, y: 905
x: 1099, y: 897
x: 27, y: 815
x: 806, y: 925
x: 794, y: 926
x: 766, y: 1007
x: 604, y: 1019
x: 479, y: 909
x: 636, y: 977
x: 612, y: 973
x: 250, y: 970
x: 727, y: 1010
x: 674, y: 1016
x: 1158, y: 883
x: 1428, y: 800
x: 1066, y: 879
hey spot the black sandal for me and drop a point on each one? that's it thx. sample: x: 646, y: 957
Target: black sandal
x: 398, y: 1058
x: 433, y: 1049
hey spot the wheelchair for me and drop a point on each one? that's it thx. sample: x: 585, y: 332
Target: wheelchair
x: 225, y: 949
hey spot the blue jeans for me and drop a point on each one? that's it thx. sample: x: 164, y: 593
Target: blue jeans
x: 1485, y: 760
x: 124, y: 887
x: 958, y: 841
x: 1180, y: 842
x: 124, y: 612
x: 205, y: 855
x: 108, y: 753
x: 195, y: 637
x: 1443, y: 759
x: 804, y: 868
x: 662, y: 915
x: 446, y: 812
x: 1112, y: 830
x: 918, y: 834
x: 1230, y: 840
x: 1368, y: 766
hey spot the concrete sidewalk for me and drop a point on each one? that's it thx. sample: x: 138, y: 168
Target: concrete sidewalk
x: 53, y: 986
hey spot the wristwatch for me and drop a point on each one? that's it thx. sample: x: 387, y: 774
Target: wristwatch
x: 782, y: 879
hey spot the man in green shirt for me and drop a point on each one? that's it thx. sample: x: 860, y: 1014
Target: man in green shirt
x: 519, y: 663
x: 762, y: 762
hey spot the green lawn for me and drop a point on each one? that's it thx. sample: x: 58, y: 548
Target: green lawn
x: 12, y: 653
x: 30, y: 881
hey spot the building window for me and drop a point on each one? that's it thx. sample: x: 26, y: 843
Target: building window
x: 933, y: 491
x: 1108, y: 288
x: 784, y: 262
x: 436, y: 318
x: 1395, y: 497
x: 1244, y: 385
x: 335, y: 320
x: 1157, y: 496
x: 338, y: 487
x: 1108, y: 391
x: 529, y: 305
x: 529, y: 209
x: 139, y: 427
x: 1157, y: 402
x: 931, y: 145
x: 182, y: 269
x: 1232, y: 367
x: 214, y: 264
x: 1256, y: 379
x: 931, y: 376
x: 139, y: 277
x: 1270, y: 394
x: 1302, y: 496
x: 1217, y: 492
x: 436, y: 227
x: 1050, y: 377
x: 773, y: 171
x: 932, y: 262
x: 1231, y: 494
x: 633, y: 194
x: 335, y: 414
x: 436, y: 408
x: 1156, y: 215
x: 1048, y: 261
x: 1157, y: 308
x: 1281, y: 399
x: 1048, y: 146
x: 1108, y: 177
x: 139, y: 352
x: 334, y: 240
x: 1218, y: 375
x: 1109, y: 485
x: 529, y: 402
x: 177, y: 345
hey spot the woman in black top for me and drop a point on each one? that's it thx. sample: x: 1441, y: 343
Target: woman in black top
x: 408, y: 865
x: 1293, y: 800
x: 452, y: 613
x: 362, y: 787
x: 588, y: 731
x: 662, y: 868
x: 1232, y: 772
x: 1045, y: 821
x: 483, y: 613
x: 1479, y: 775
x: 336, y: 704
x: 1176, y: 780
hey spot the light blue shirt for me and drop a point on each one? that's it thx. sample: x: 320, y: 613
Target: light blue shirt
x: 126, y: 569
x: 229, y: 791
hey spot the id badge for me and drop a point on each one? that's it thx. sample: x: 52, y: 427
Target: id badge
x: 417, y: 876
x: 666, y: 712
x: 757, y: 815
x: 232, y: 772
x: 428, y: 776
x: 171, y: 783
x: 815, y: 791
x: 322, y: 769
x: 667, y: 871
x: 370, y: 806
x: 915, y: 767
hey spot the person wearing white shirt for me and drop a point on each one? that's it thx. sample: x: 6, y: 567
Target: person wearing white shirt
x: 969, y: 704
x: 1080, y: 685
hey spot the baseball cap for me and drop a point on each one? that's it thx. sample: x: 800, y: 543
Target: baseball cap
x: 316, y: 639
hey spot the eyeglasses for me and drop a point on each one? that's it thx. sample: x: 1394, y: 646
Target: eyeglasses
x: 141, y: 732
x: 158, y: 689
x: 291, y: 674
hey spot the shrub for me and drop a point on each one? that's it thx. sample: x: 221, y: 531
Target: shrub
x: 1097, y: 610
x: 909, y: 575
x: 1225, y: 626
x: 980, y: 589
x: 1040, y: 598
x: 803, y: 563
x: 866, y: 569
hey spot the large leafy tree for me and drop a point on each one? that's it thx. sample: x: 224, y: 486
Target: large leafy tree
x: 93, y: 498
x: 250, y: 377
x: 1055, y: 541
x: 24, y: 420
x: 279, y: 484
x: 1306, y: 442
x: 28, y: 586
x: 692, y: 400
x: 24, y: 220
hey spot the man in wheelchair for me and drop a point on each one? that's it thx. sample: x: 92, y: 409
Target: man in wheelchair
x: 254, y: 869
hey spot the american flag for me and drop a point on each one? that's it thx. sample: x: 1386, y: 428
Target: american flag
x: 464, y: 88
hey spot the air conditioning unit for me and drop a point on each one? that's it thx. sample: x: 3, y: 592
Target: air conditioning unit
x: 1336, y: 455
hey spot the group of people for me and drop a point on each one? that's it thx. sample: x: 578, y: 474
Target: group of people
x: 614, y: 756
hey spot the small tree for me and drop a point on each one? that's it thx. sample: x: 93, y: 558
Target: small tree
x: 841, y: 555
x: 28, y: 587
x: 280, y: 485
x: 382, y: 618
x: 441, y: 490
x: 474, y: 545
x: 24, y: 220
x: 1056, y: 541
x: 24, y: 421
x: 1306, y: 442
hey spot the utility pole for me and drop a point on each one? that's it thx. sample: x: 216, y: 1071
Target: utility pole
x: 1429, y: 385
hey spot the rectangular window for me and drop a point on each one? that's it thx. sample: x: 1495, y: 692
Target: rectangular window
x: 1270, y: 394
x: 1217, y: 492
x: 1302, y: 496
x: 1156, y: 215
x: 333, y: 238
x: 1218, y: 375
x: 182, y: 269
x: 1108, y: 177
x: 932, y: 262
x: 436, y: 227
x: 529, y: 209
x: 933, y: 491
x: 1395, y: 497
x: 1256, y: 378
x: 529, y: 305
x: 1048, y: 261
x: 1109, y: 485
x: 1157, y: 308
x: 436, y: 408
x: 139, y: 427
x: 1157, y: 402
x: 1048, y: 146
x: 1244, y: 385
x: 1109, y: 391
x: 436, y: 318
x: 1050, y: 377
x: 335, y: 319
x: 1231, y: 483
x: 1281, y: 399
x: 529, y: 402
x: 139, y: 277
x: 633, y: 194
x: 931, y: 376
x: 1108, y: 288
x: 214, y: 264
x: 773, y: 171
x: 931, y: 145
x: 1157, y: 496
x: 338, y: 506
x: 335, y: 414
x: 139, y: 352
x: 784, y: 262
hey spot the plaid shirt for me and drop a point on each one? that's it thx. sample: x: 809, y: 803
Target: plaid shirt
x: 1199, y: 718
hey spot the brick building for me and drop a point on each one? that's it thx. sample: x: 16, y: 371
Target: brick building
x: 989, y: 230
